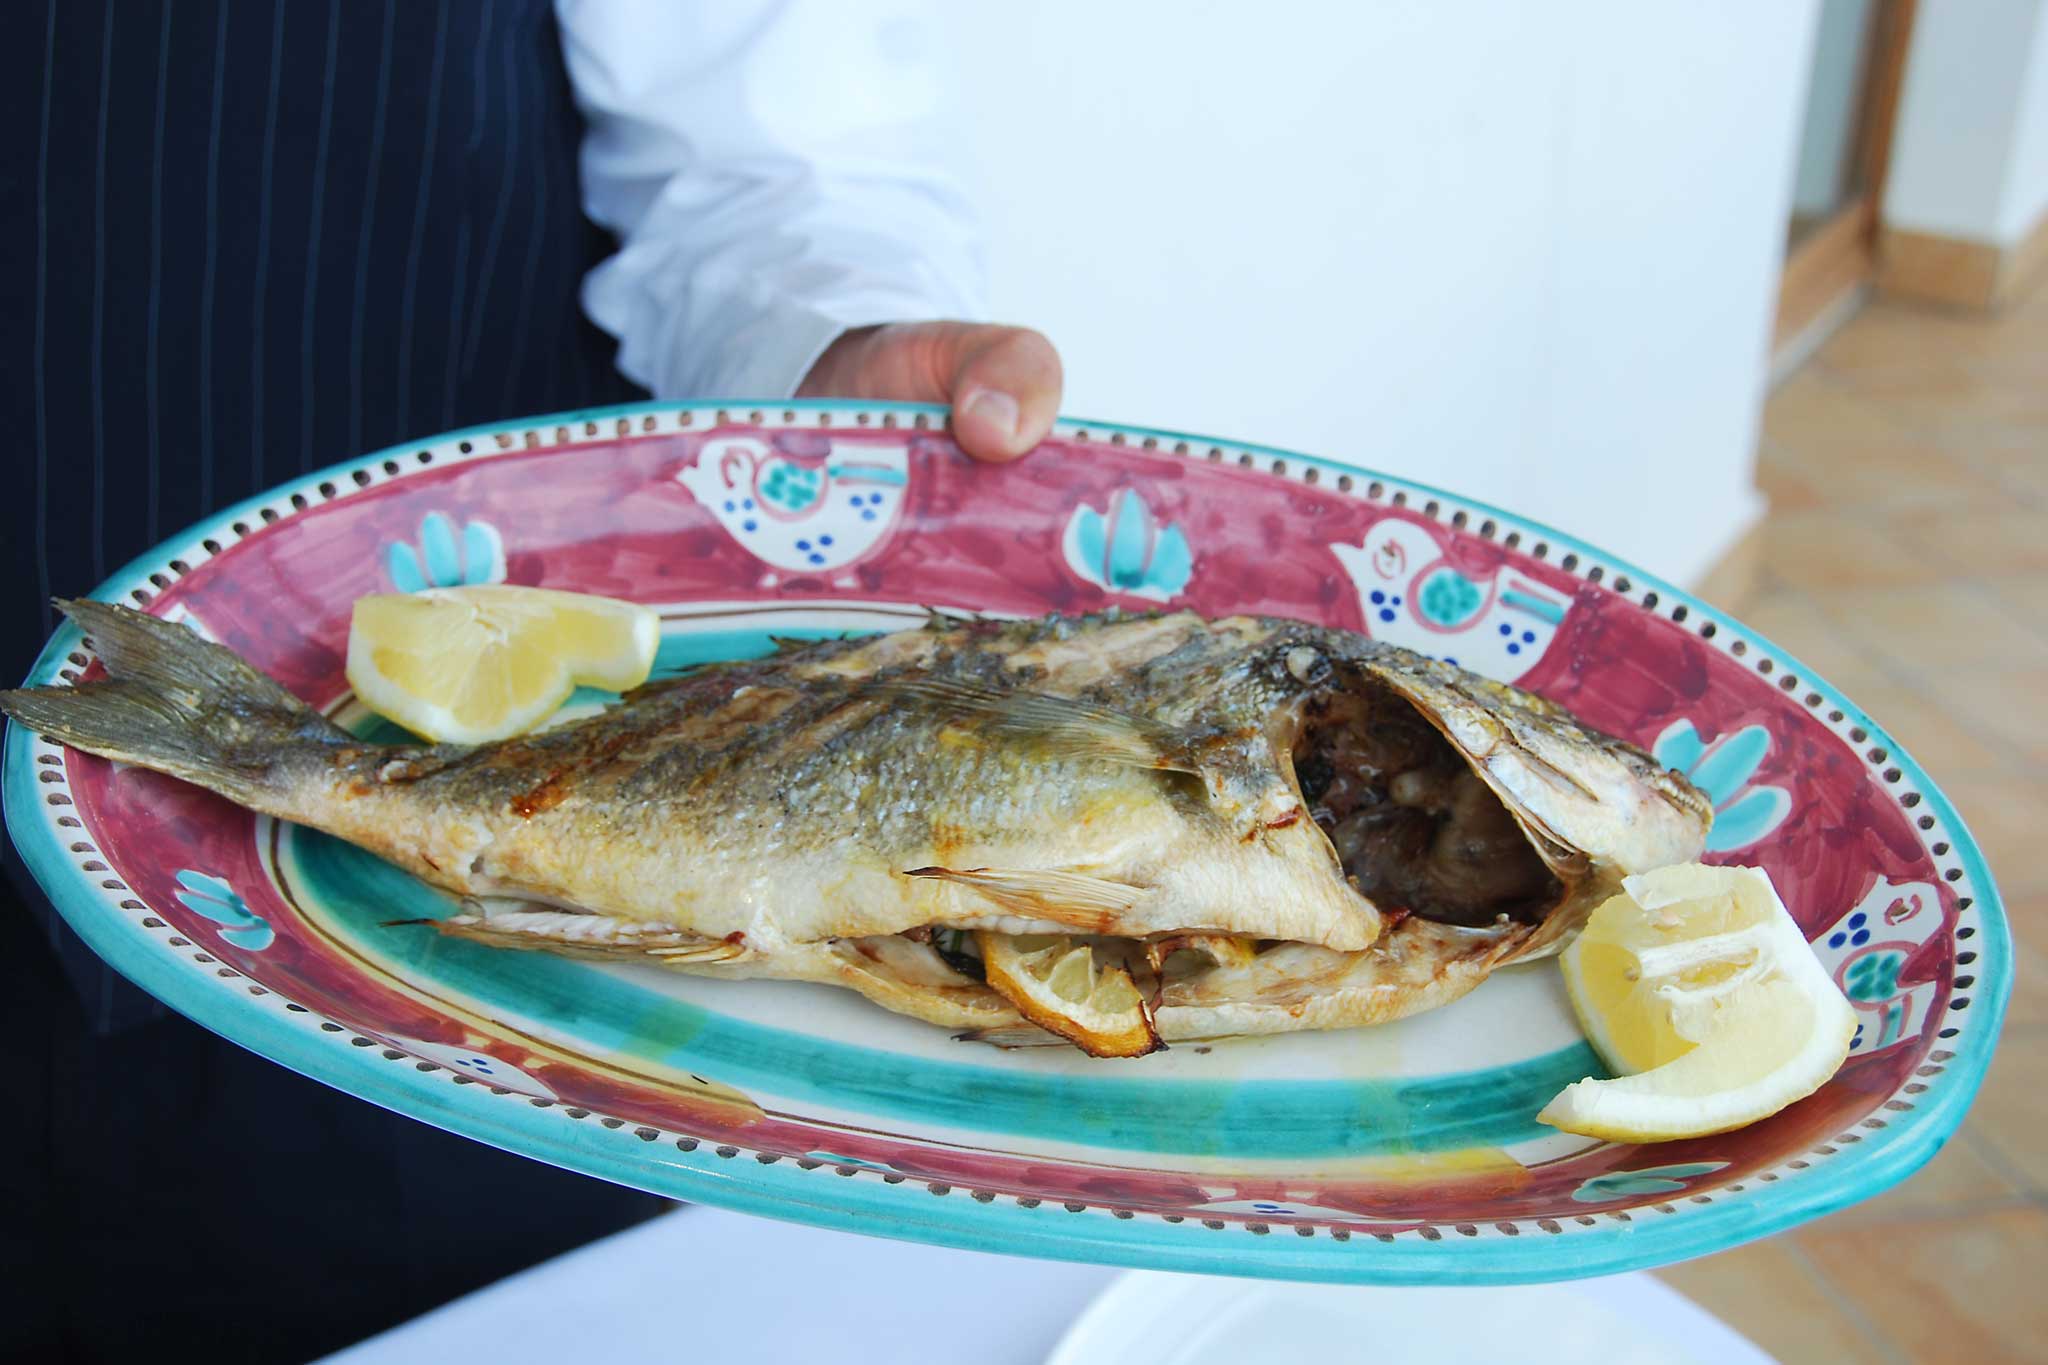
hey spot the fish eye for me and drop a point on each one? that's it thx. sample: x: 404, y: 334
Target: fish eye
x: 1306, y: 664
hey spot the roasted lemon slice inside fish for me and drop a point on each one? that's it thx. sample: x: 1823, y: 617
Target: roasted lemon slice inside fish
x: 1696, y: 986
x: 475, y: 664
x: 1057, y: 984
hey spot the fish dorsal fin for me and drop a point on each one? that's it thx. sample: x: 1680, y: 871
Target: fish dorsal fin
x: 1090, y: 904
x: 1065, y: 726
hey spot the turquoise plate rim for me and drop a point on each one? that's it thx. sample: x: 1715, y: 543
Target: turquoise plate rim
x: 909, y: 1210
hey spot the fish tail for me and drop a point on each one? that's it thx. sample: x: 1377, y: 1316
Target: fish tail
x: 177, y: 703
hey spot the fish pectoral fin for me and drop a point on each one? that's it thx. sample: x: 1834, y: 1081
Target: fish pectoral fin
x: 1065, y: 726
x: 1090, y: 904
x: 1010, y: 1036
x: 580, y: 934
x: 940, y: 620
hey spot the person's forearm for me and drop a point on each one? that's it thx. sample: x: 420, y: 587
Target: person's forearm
x: 772, y: 173
x: 775, y: 176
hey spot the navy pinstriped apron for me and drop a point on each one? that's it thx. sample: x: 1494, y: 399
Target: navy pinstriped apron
x: 245, y: 240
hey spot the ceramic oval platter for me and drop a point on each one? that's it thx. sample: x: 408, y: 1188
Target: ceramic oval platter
x: 1407, y: 1153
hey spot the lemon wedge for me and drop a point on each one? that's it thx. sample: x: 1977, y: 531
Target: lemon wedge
x: 471, y: 665
x: 1696, y: 987
x: 1056, y: 984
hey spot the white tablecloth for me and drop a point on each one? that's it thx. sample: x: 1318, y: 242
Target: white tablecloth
x: 706, y: 1286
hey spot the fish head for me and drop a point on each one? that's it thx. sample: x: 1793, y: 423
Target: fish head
x: 1436, y: 792
x: 1592, y: 809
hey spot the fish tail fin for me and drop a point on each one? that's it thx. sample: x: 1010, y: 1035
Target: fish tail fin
x: 176, y: 703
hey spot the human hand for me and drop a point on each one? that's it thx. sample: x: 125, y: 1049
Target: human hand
x: 1002, y: 382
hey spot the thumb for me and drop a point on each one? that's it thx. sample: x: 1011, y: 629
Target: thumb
x: 1003, y: 382
x: 1005, y: 391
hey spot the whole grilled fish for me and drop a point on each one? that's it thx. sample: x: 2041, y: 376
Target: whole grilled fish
x: 1267, y: 825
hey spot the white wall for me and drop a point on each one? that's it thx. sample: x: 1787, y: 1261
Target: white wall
x: 2025, y: 202
x: 1970, y: 151
x: 1841, y: 46
x: 1527, y: 252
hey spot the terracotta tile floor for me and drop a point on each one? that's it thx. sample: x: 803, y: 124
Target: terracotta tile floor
x: 1907, y: 560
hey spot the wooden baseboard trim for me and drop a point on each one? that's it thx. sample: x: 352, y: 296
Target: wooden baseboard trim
x: 1830, y: 265
x: 2025, y: 261
x: 1956, y: 272
x: 1792, y: 352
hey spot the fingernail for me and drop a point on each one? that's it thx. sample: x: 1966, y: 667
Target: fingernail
x: 994, y: 407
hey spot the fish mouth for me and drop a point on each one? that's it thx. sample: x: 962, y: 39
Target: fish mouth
x: 1414, y: 826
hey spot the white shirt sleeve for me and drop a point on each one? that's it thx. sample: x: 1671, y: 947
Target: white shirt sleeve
x: 775, y: 172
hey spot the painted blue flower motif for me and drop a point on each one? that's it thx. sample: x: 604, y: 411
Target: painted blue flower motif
x: 215, y: 899
x: 469, y: 1059
x: 443, y: 559
x: 749, y: 523
x: 1743, y: 814
x: 1874, y: 976
x: 1854, y: 933
x: 792, y: 487
x: 1647, y: 1181
x: 1449, y: 599
x: 1128, y: 551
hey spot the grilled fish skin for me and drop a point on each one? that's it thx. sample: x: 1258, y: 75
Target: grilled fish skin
x: 1117, y: 777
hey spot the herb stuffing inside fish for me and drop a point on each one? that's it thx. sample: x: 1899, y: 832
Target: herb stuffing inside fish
x: 1016, y: 830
